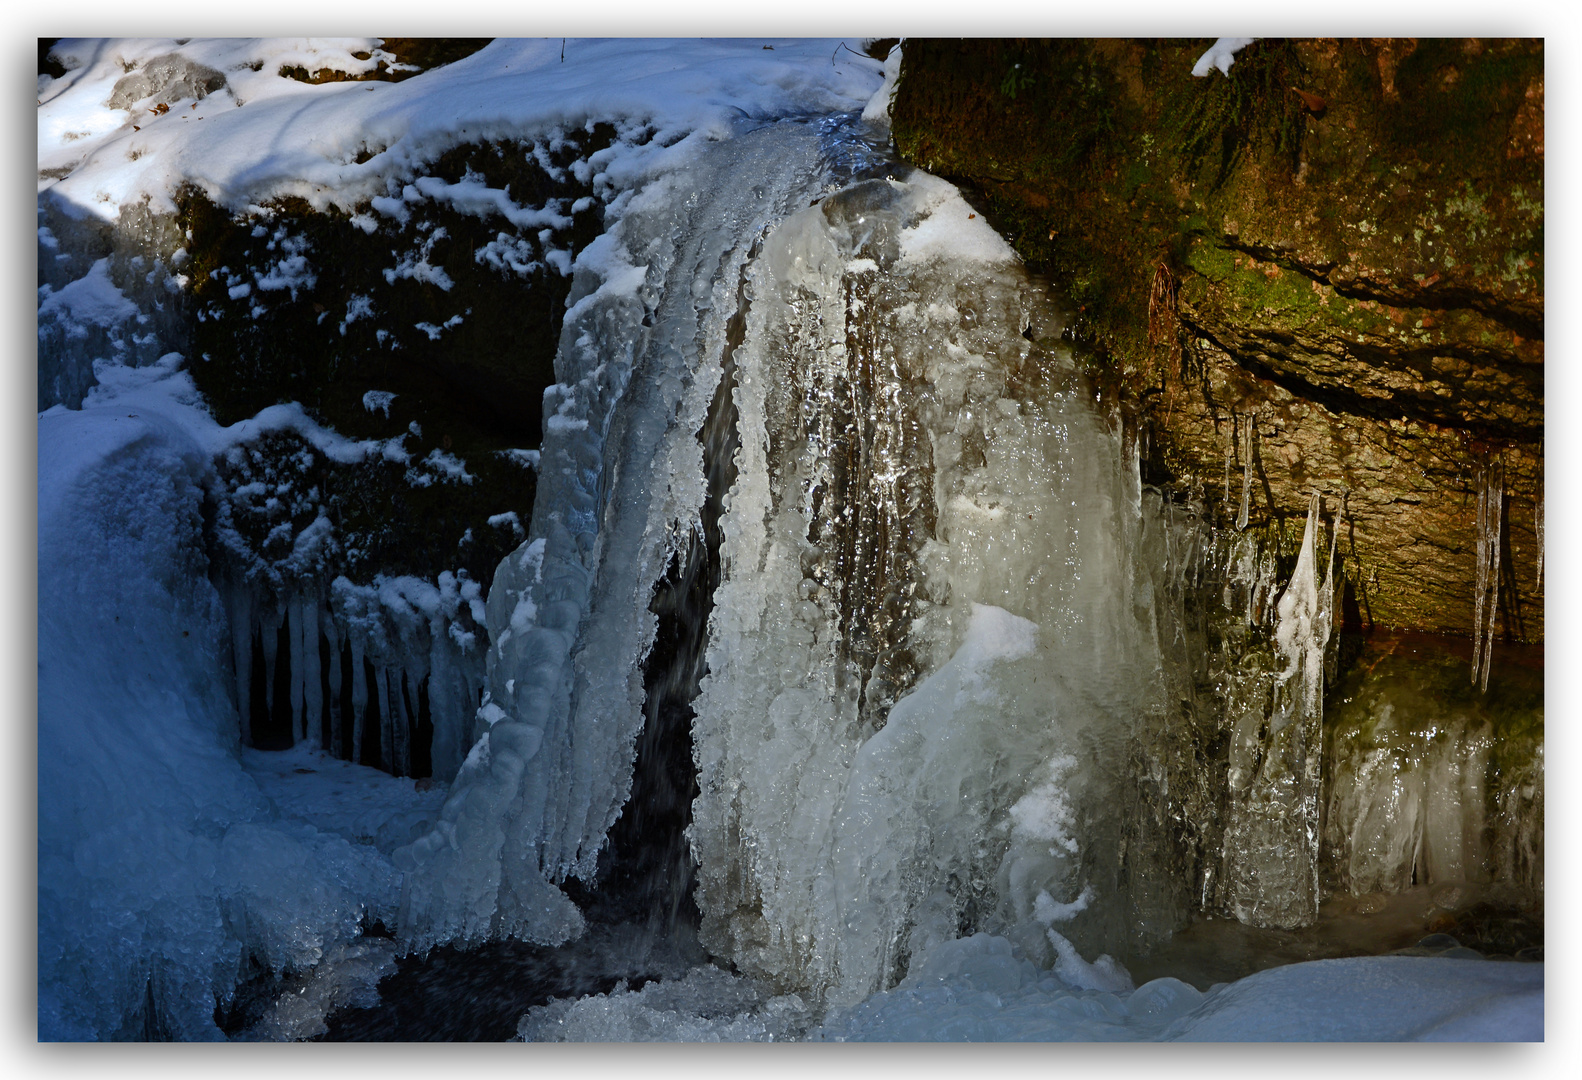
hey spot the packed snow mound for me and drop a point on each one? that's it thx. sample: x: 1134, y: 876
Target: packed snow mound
x: 162, y: 864
x: 877, y: 111
x: 978, y: 989
x: 343, y: 143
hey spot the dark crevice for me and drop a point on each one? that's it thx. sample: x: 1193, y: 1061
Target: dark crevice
x: 1341, y: 402
x: 647, y: 871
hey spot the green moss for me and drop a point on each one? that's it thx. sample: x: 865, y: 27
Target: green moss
x: 1453, y: 98
x: 1253, y: 108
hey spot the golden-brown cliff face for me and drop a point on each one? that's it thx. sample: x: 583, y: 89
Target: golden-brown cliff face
x: 1322, y: 272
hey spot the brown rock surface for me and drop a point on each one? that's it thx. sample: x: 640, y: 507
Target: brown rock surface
x: 1339, y: 246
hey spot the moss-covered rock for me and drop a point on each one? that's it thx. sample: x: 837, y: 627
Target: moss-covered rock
x: 1326, y: 267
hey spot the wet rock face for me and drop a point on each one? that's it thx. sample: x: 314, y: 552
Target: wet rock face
x: 1323, y: 272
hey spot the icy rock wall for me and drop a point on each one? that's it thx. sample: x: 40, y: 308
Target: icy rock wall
x: 925, y: 657
x: 1429, y: 783
x: 621, y: 484
x: 107, y: 294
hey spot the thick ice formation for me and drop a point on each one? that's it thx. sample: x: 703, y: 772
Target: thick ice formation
x: 621, y: 485
x: 925, y: 607
x: 1425, y: 789
x: 162, y: 865
x: 1272, y: 833
x: 950, y: 620
x: 129, y: 123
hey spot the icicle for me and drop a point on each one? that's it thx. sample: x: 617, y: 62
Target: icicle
x: 332, y: 634
x: 1247, y: 470
x: 307, y: 619
x: 443, y: 757
x: 1332, y: 650
x: 295, y: 632
x: 359, y: 695
x: 387, y: 721
x: 401, y: 723
x: 1303, y: 629
x: 269, y: 627
x: 1230, y: 456
x: 1538, y: 530
x: 1491, y: 496
x: 241, y: 612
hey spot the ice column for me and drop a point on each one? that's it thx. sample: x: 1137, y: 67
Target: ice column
x: 1272, y: 833
x: 621, y: 487
x: 925, y: 656
x: 1491, y: 499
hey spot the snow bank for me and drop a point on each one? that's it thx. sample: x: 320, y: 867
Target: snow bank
x: 163, y: 866
x: 99, y: 150
x: 978, y: 989
x: 973, y: 990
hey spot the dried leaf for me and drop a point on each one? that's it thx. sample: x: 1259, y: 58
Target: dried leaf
x: 1314, y: 103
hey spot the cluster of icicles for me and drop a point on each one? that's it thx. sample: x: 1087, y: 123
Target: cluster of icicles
x: 387, y: 674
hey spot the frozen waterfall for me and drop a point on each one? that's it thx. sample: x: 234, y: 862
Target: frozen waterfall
x: 981, y: 718
x: 928, y: 653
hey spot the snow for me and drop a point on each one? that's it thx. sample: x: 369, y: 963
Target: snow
x: 977, y: 989
x: 364, y: 805
x: 706, y: 1005
x: 877, y: 111
x: 949, y: 228
x: 688, y: 92
x: 378, y: 401
x: 92, y: 299
x: 1221, y: 55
